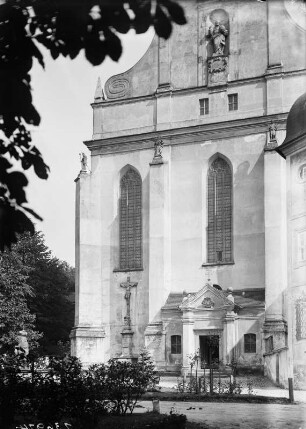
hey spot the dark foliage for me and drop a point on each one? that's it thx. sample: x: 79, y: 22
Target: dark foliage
x: 64, y: 27
x: 145, y: 420
x: 15, y: 292
x: 34, y: 282
x: 65, y: 390
x: 52, y: 300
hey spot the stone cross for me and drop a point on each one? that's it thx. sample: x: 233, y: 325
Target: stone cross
x: 127, y: 296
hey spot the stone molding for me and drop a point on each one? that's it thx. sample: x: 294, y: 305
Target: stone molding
x: 154, y: 328
x: 195, y: 301
x: 275, y: 351
x: 217, y: 70
x: 292, y: 146
x: 274, y: 326
x: 87, y: 332
x: 270, y: 73
x: 186, y: 135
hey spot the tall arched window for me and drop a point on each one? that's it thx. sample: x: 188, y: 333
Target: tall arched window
x: 219, y: 230
x: 130, y: 221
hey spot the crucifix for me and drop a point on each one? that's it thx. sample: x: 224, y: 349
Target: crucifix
x: 127, y: 296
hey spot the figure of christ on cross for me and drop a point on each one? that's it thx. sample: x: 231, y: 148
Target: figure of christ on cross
x: 127, y: 296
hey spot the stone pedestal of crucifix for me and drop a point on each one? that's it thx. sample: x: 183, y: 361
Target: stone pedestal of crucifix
x: 127, y: 332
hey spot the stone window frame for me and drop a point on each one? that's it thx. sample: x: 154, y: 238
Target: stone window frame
x: 249, y: 343
x: 130, y: 221
x: 176, y: 344
x: 298, y: 248
x: 302, y: 173
x: 232, y: 102
x: 204, y: 106
x: 300, y: 319
x: 219, y: 212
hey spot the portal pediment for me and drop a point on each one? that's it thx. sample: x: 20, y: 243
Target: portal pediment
x: 207, y: 298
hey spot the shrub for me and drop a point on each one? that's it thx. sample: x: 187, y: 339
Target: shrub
x: 65, y: 390
x: 61, y: 391
x: 118, y: 385
x: 13, y: 387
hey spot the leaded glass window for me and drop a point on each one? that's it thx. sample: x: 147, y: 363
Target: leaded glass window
x: 204, y: 106
x: 250, y: 343
x: 233, y: 102
x: 219, y: 230
x: 300, y: 312
x: 130, y: 221
x: 176, y: 344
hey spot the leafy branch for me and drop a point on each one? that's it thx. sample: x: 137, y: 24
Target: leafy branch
x: 64, y: 28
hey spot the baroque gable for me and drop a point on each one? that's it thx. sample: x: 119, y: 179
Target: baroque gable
x: 207, y: 298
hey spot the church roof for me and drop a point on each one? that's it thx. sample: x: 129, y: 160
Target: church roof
x: 244, y: 298
x: 296, y: 124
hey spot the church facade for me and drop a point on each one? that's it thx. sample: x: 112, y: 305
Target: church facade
x: 181, y: 219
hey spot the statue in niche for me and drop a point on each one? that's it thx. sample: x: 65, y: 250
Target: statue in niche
x: 158, y: 152
x: 158, y: 148
x: 218, y: 34
x: 272, y: 131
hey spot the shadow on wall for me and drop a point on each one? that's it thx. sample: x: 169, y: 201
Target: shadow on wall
x: 140, y: 294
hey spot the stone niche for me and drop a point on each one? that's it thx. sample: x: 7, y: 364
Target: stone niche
x: 218, y: 48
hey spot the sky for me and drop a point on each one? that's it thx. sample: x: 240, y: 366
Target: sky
x: 62, y: 94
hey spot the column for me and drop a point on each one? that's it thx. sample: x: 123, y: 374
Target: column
x: 188, y: 339
x: 275, y: 246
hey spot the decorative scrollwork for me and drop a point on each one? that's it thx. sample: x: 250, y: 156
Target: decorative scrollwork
x: 117, y: 87
x: 208, y: 302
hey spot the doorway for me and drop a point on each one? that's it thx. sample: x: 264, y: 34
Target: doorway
x: 209, y: 350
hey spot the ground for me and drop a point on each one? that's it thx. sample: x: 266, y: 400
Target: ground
x: 260, y: 386
x: 237, y: 415
x: 219, y: 415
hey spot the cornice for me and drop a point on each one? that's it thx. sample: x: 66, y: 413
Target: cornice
x: 195, y: 89
x: 292, y: 146
x: 186, y: 135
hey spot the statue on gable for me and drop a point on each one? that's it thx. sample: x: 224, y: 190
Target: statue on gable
x: 83, y: 159
x: 218, y: 34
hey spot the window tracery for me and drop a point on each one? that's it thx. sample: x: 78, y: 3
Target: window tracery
x: 131, y: 221
x: 219, y: 230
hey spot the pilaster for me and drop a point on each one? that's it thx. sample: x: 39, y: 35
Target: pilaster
x: 164, y: 64
x: 88, y: 335
x: 275, y: 246
x: 188, y: 338
x: 229, y: 337
x: 274, y: 11
x: 159, y: 234
x: 274, y: 75
x: 87, y: 343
